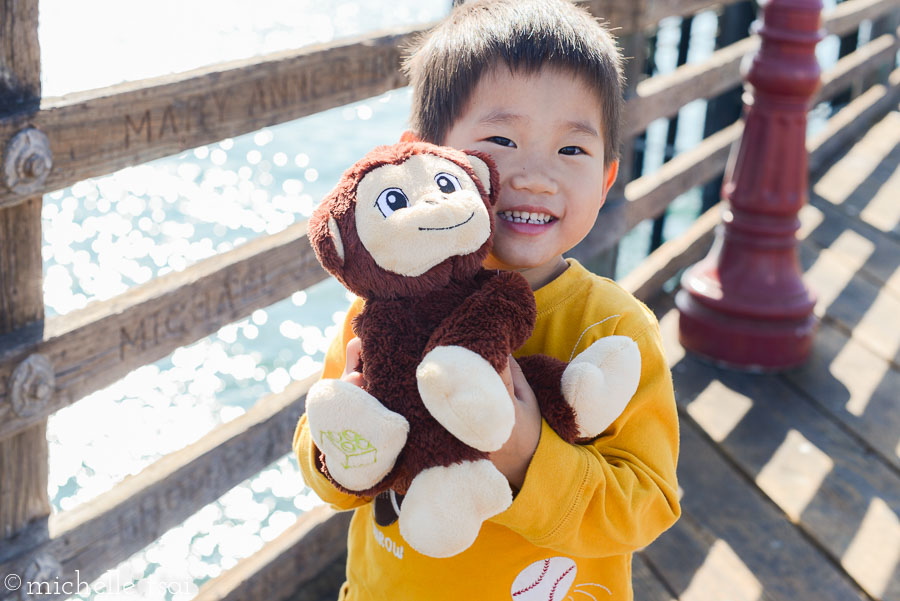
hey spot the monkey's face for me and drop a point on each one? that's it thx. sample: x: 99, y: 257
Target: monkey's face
x: 406, y: 219
x: 415, y: 215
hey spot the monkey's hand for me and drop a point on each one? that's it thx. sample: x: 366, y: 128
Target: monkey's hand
x: 600, y: 381
x: 359, y: 436
x: 467, y: 396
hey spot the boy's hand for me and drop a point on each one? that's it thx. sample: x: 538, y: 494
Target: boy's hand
x: 514, y: 457
x: 350, y: 374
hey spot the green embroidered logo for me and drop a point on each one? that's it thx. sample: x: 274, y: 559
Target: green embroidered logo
x: 357, y: 451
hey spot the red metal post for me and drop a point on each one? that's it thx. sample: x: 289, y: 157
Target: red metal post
x: 745, y: 304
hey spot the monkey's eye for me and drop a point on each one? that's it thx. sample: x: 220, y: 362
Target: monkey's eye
x: 390, y: 200
x: 447, y: 183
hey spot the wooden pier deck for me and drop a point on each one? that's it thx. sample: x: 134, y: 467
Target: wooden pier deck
x: 791, y: 482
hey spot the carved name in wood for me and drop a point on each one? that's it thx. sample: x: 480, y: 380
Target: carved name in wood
x: 99, y: 131
x: 258, y: 97
x: 195, y: 112
x: 238, y: 286
x: 93, y: 347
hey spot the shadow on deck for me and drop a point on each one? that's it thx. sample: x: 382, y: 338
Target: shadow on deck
x: 792, y: 481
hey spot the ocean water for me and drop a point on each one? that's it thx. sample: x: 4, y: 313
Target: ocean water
x: 107, y: 234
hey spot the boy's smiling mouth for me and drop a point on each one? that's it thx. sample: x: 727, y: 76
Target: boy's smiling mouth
x: 530, y: 217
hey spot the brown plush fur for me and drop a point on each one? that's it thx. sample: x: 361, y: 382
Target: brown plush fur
x: 455, y: 303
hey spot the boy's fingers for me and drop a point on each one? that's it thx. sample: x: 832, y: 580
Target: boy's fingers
x: 521, y: 387
x: 351, y: 365
x: 518, y: 378
x: 516, y: 384
x: 352, y: 356
x: 354, y: 378
x: 507, y: 377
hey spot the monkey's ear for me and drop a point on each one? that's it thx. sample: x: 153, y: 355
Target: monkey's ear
x: 336, y: 238
x: 481, y: 170
x: 325, y: 238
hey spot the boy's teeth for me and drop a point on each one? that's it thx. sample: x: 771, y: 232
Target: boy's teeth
x: 525, y: 217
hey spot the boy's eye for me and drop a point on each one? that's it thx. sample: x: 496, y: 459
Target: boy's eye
x: 571, y: 150
x: 501, y: 141
x: 390, y: 200
x: 447, y: 183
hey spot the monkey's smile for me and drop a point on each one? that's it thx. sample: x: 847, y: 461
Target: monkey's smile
x: 432, y: 229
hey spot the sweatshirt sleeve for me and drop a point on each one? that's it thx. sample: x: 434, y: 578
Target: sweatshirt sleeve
x: 617, y: 493
x: 304, y: 448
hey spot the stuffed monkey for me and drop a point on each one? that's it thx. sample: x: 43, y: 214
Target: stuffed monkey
x: 407, y: 229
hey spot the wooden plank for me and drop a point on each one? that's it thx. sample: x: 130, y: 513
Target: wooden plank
x: 855, y: 304
x: 296, y: 557
x: 861, y: 247
x: 95, y: 536
x: 93, y: 347
x: 732, y: 543
x: 98, y: 132
x: 657, y: 10
x: 852, y: 121
x: 856, y: 387
x: 647, y: 279
x: 20, y: 55
x: 664, y: 95
x: 326, y: 584
x: 599, y: 250
x: 23, y: 458
x: 876, y: 54
x: 823, y: 478
x: 863, y: 182
x: 847, y: 16
x: 647, y: 587
x: 649, y: 196
x: 623, y: 15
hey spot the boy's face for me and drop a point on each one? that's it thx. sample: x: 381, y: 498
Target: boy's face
x: 544, y: 132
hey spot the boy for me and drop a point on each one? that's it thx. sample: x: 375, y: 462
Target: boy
x: 537, y: 85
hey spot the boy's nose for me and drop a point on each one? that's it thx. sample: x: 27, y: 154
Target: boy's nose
x: 533, y: 179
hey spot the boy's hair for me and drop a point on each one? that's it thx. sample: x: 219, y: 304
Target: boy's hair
x: 526, y: 36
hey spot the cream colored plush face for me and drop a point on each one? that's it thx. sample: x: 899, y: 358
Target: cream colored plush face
x: 433, y: 226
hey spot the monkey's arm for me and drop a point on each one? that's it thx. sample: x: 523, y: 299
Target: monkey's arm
x: 458, y: 377
x: 493, y: 321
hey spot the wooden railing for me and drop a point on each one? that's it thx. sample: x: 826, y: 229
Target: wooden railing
x: 46, y: 365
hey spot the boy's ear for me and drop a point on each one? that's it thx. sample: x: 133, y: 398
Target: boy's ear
x: 481, y: 170
x: 611, y: 172
x: 409, y: 136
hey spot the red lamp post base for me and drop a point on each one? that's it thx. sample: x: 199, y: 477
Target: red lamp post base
x: 743, y: 343
x: 746, y: 305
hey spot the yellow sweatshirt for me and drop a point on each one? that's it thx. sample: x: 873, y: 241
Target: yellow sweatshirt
x: 583, y: 509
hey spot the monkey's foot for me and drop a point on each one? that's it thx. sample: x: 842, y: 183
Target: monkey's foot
x: 360, y: 437
x: 467, y: 396
x: 600, y: 381
x: 445, y: 506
